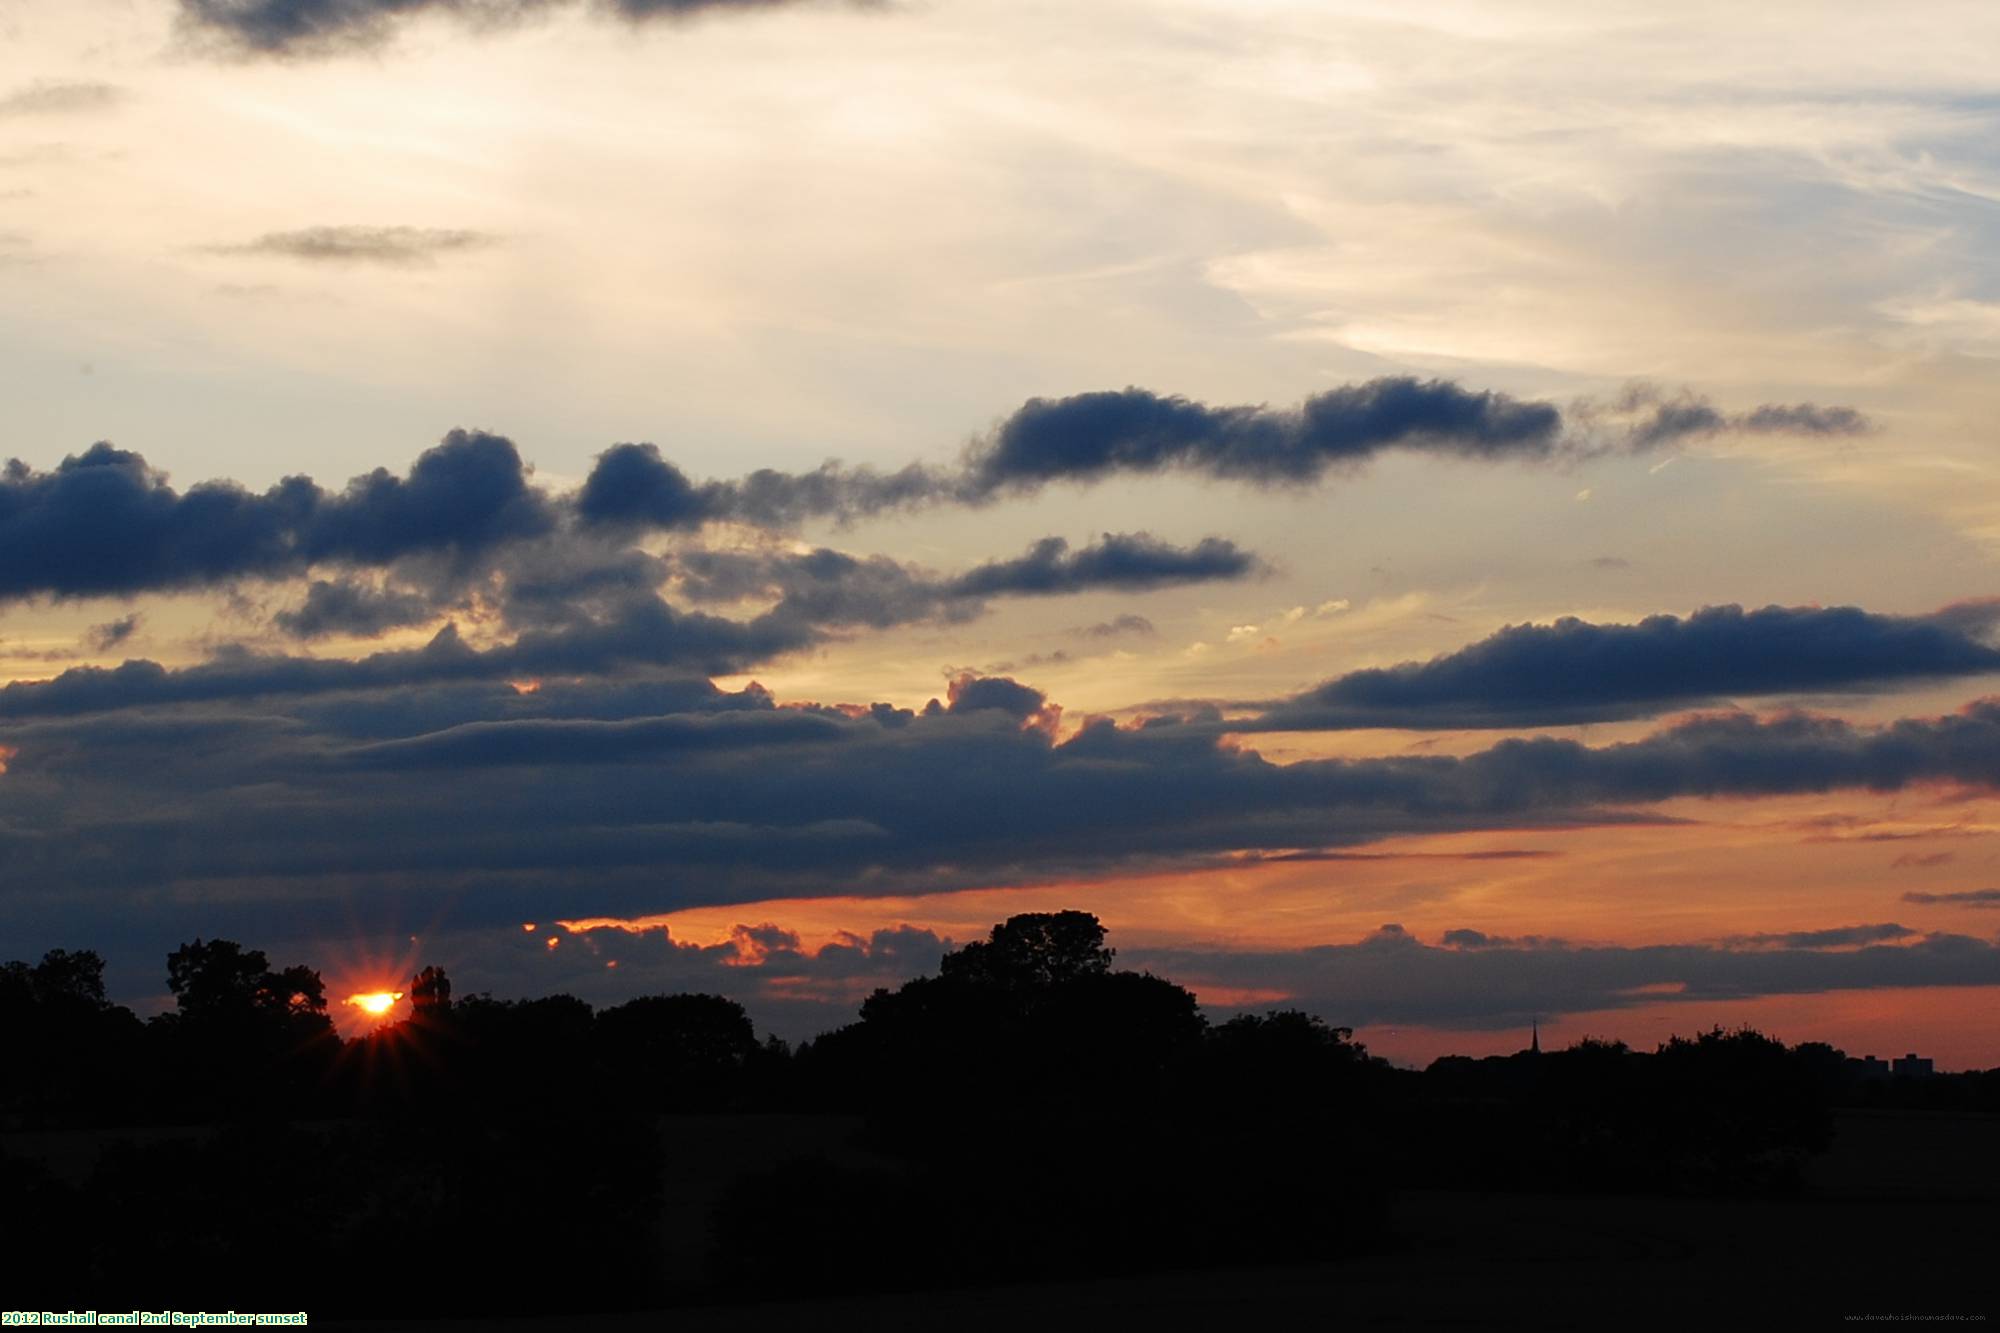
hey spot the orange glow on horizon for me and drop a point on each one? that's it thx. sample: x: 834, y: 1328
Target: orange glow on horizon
x: 7, y: 753
x: 1231, y: 997
x: 1702, y: 872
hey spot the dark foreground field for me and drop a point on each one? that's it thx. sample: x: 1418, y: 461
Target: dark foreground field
x: 1470, y: 1261
x: 1901, y: 1218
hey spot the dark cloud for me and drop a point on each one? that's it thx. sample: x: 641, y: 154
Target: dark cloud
x: 645, y: 634
x: 1118, y: 626
x: 111, y: 633
x: 1130, y: 562
x: 563, y: 580
x: 575, y: 610
x: 1479, y: 939
x: 42, y: 99
x: 620, y: 797
x: 1979, y: 898
x: 971, y: 694
x: 828, y: 587
x: 822, y: 587
x: 315, y: 27
x: 399, y: 246
x: 1093, y: 435
x: 632, y: 484
x: 346, y: 606
x: 1574, y: 671
x: 1481, y: 982
x: 1646, y: 417
x: 104, y: 522
x: 1802, y: 419
x: 1839, y: 937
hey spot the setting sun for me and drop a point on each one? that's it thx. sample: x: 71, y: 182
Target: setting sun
x: 376, y: 1003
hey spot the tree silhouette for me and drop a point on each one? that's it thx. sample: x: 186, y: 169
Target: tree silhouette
x: 64, y: 1042
x: 430, y: 993
x: 244, y: 1038
x: 1033, y: 949
x: 63, y: 977
x: 221, y: 980
x: 676, y: 1050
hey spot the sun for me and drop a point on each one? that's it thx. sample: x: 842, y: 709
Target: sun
x: 375, y: 1003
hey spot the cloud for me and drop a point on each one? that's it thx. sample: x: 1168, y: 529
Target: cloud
x: 1474, y: 981
x: 1092, y: 437
x: 1575, y: 671
x: 1130, y: 562
x: 1645, y: 417
x: 105, y: 523
x: 578, y: 612
x: 318, y: 27
x: 620, y: 795
x: 399, y: 246
x: 970, y: 693
x: 1802, y: 419
x: 828, y: 587
x: 641, y: 634
x: 110, y: 634
x: 1977, y: 898
x: 48, y: 99
x: 632, y: 486
x: 1118, y: 626
x: 1839, y: 937
x: 345, y: 606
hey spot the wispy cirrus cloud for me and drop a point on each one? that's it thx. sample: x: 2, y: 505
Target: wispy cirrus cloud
x: 402, y: 247
x: 60, y: 99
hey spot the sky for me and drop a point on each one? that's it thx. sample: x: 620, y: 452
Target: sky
x: 1447, y: 516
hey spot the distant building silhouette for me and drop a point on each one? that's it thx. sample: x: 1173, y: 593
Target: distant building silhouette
x: 1914, y: 1066
x: 1866, y: 1067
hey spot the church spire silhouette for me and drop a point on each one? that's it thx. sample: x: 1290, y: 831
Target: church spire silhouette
x: 1534, y: 1036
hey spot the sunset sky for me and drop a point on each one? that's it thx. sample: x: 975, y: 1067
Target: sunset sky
x: 1437, y: 514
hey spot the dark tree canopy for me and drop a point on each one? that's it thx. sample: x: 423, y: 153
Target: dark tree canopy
x: 221, y: 979
x: 1033, y: 949
x: 63, y: 977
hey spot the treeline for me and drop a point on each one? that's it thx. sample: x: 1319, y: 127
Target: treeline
x: 1030, y: 1111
